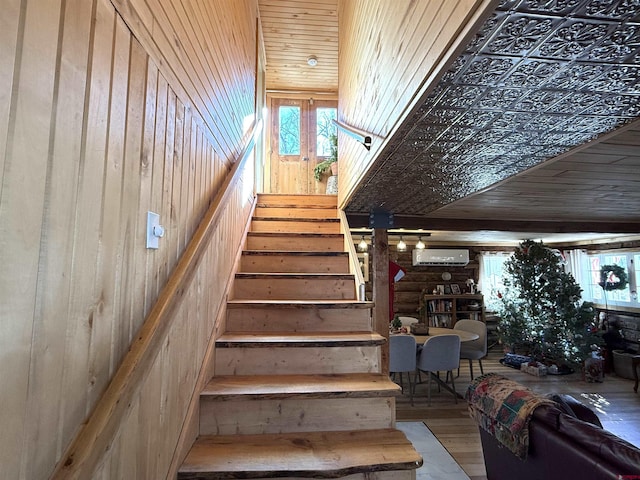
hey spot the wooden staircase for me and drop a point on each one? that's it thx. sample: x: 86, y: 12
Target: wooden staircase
x: 298, y: 389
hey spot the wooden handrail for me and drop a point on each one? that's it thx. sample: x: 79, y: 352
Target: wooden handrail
x: 363, y: 137
x: 354, y: 263
x: 96, y: 435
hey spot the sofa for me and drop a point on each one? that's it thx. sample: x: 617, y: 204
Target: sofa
x: 565, y: 441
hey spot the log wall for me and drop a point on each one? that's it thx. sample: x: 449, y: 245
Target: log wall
x: 406, y: 301
x: 407, y: 291
x: 108, y: 110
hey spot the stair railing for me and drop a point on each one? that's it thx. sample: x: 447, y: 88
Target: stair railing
x: 98, y: 432
x: 363, y: 137
x: 354, y: 263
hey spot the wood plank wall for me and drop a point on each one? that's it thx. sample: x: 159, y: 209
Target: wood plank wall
x: 389, y: 53
x: 98, y: 124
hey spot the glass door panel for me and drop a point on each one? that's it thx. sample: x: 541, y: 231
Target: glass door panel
x: 300, y: 138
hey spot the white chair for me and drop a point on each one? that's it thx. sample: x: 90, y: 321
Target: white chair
x: 402, y: 358
x: 441, y: 353
x: 474, y: 349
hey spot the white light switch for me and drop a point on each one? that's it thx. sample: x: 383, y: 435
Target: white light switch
x: 155, y: 231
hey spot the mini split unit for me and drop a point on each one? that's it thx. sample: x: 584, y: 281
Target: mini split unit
x: 435, y: 256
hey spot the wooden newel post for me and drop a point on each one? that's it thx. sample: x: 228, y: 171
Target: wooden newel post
x: 381, y: 291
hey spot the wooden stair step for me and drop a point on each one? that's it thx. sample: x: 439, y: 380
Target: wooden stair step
x: 265, y: 261
x: 261, y: 404
x: 332, y: 242
x: 294, y: 286
x: 304, y: 454
x: 292, y: 212
x: 290, y: 219
x: 299, y: 304
x: 353, y: 385
x: 298, y: 315
x: 298, y: 339
x: 293, y: 359
x: 299, y: 276
x: 295, y: 225
x: 276, y: 253
x: 296, y: 201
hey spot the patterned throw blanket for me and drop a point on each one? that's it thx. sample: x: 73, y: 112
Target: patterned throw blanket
x: 503, y: 408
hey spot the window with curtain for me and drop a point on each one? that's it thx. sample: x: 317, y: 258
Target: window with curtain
x: 584, y: 267
x: 490, y: 277
x: 589, y: 278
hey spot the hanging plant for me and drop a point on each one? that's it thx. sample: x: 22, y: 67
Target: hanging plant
x: 613, y: 277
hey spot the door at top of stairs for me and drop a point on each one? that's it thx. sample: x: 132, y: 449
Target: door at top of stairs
x: 299, y: 133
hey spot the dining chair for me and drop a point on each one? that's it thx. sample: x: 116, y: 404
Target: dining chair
x: 474, y: 349
x: 441, y: 353
x: 402, y: 358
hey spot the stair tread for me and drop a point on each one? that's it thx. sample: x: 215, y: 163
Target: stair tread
x: 295, y: 234
x: 284, y: 386
x: 342, y: 276
x: 296, y: 219
x: 295, y: 254
x: 306, y: 454
x: 291, y: 205
x: 293, y: 200
x: 240, y: 303
x: 304, y: 339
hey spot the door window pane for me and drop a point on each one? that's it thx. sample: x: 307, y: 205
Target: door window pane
x: 289, y: 124
x: 325, y: 128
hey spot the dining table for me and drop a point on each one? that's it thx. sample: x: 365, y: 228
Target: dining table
x: 435, y: 331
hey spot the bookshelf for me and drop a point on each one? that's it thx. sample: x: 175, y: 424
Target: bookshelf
x: 446, y: 310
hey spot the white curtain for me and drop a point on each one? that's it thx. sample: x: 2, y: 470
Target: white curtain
x: 490, y: 277
x: 574, y: 260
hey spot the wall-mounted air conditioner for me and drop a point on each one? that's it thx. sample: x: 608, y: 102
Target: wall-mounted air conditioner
x: 440, y: 256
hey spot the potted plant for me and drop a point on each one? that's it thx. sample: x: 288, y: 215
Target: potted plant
x: 330, y: 162
x: 396, y: 324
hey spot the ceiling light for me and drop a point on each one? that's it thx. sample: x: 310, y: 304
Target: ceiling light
x: 401, y: 245
x: 420, y: 244
x: 312, y: 61
x: 362, y: 246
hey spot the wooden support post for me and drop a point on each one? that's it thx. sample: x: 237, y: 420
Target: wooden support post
x: 381, y: 291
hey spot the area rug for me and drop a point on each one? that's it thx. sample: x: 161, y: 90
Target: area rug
x: 438, y: 464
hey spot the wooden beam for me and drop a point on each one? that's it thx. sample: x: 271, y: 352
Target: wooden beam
x: 359, y: 220
x: 381, y: 291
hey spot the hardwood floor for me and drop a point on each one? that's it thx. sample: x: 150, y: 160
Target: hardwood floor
x: 613, y: 400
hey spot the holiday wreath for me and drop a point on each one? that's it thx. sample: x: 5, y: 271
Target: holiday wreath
x: 613, y: 277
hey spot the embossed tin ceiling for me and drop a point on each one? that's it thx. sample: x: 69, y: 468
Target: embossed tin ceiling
x: 540, y: 78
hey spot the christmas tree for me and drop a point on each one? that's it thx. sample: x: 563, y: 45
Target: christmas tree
x: 541, y: 312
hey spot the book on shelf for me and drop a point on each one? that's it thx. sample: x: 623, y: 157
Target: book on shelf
x: 440, y: 321
x: 439, y: 306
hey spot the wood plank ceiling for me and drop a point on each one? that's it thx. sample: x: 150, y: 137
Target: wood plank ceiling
x: 533, y: 129
x: 294, y: 31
